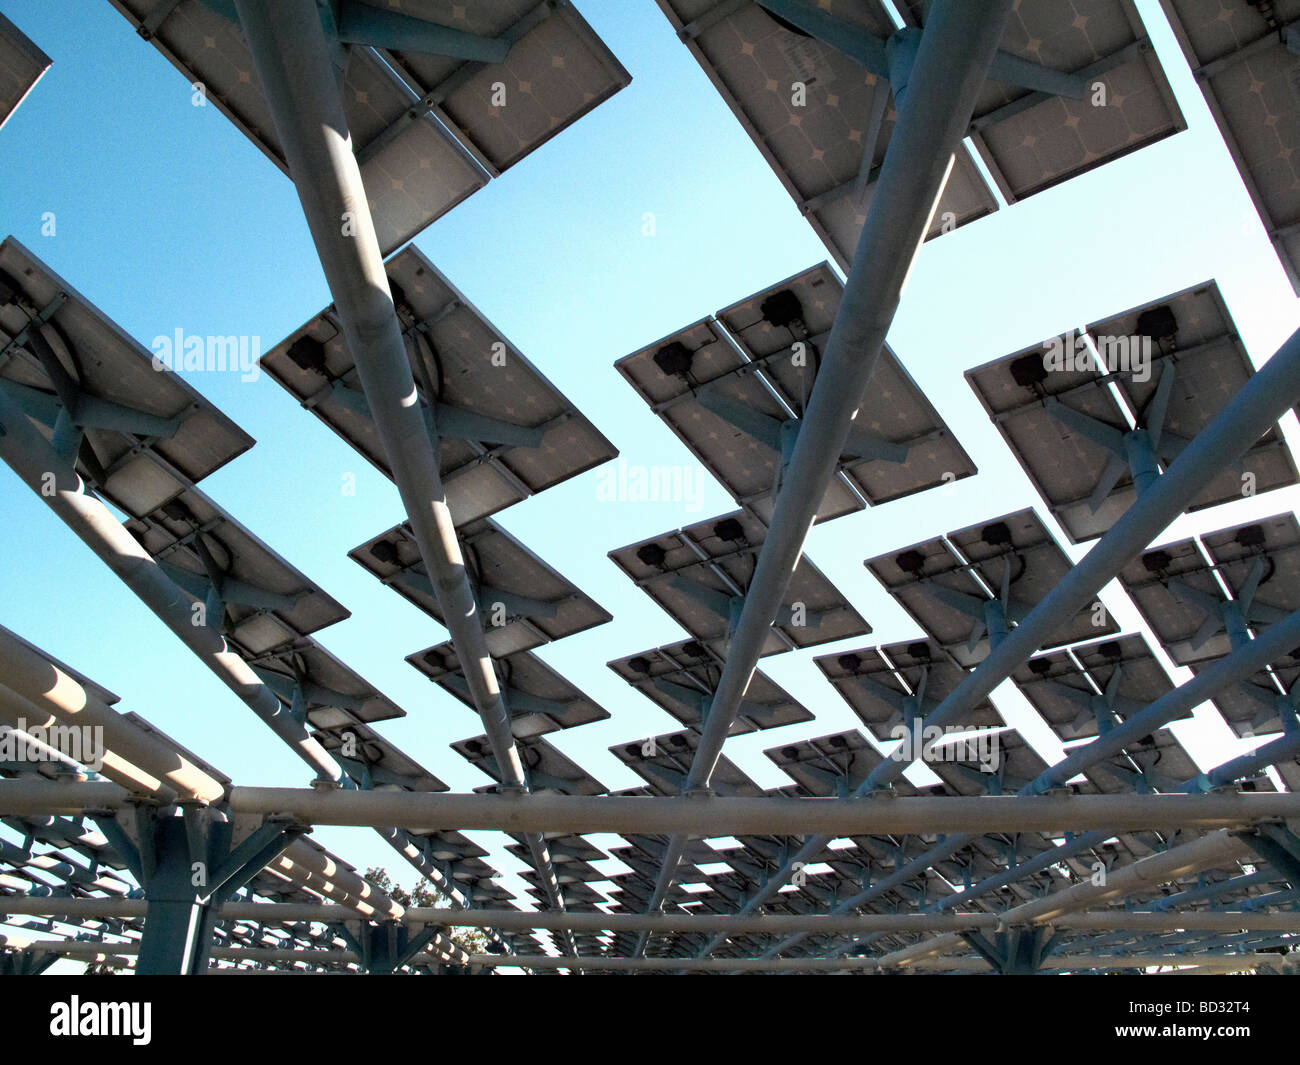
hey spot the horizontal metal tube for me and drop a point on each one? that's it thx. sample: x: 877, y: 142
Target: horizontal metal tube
x: 272, y: 913
x: 1208, y: 852
x: 704, y: 817
x: 48, y: 688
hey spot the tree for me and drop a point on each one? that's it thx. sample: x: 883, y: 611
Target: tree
x: 470, y: 940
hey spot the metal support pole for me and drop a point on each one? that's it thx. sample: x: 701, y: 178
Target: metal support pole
x: 958, y: 44
x: 37, y: 464
x: 188, y: 866
x: 292, y: 57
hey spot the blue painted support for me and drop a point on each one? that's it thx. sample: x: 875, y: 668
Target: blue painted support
x: 386, y: 946
x: 995, y: 621
x: 1136, y: 451
x: 25, y: 962
x: 852, y: 41
x: 366, y: 25
x: 1015, y: 951
x: 87, y: 412
x: 189, y: 866
x: 1280, y: 848
x: 762, y: 427
x: 1141, y: 457
x: 451, y: 422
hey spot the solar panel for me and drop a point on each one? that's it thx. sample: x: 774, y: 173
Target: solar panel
x: 1244, y: 59
x: 504, y: 432
x: 136, y: 430
x: 21, y: 67
x: 964, y: 773
x: 413, y: 168
x: 1265, y: 702
x: 1178, y: 588
x: 682, y: 677
x: 733, y: 388
x: 524, y: 602
x: 1031, y: 141
x: 992, y: 574
x: 699, y: 575
x: 663, y: 762
x: 249, y: 592
x: 538, y: 698
x: 332, y: 696
x: 1158, y: 762
x: 564, y: 848
x: 823, y: 121
x: 557, y: 64
x: 545, y: 767
x: 832, y: 766
x: 459, y: 859
x: 1174, y: 363
x: 374, y: 762
x: 827, y: 149
x: 890, y: 686
x: 1078, y: 689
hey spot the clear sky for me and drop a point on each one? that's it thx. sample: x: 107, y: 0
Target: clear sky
x: 168, y: 218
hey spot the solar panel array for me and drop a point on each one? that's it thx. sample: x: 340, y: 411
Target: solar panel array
x: 1090, y: 435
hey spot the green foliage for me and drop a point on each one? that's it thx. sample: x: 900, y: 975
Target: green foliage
x: 470, y: 940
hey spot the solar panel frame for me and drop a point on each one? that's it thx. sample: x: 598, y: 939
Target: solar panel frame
x: 666, y: 769
x: 111, y: 367
x: 497, y: 563
x: 209, y: 50
x: 540, y: 701
x: 1017, y: 764
x: 22, y: 65
x: 1250, y: 706
x: 885, y: 676
x: 302, y: 656
x: 690, y: 665
x: 826, y: 194
x: 952, y: 563
x: 1177, y: 623
x: 479, y: 480
x: 699, y: 556
x: 554, y: 32
x: 1159, y: 754
x: 178, y: 542
x: 894, y: 409
x: 545, y: 767
x: 1106, y: 43
x: 1089, y: 669
x: 818, y: 765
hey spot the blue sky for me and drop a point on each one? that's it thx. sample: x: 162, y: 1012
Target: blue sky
x: 167, y: 218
